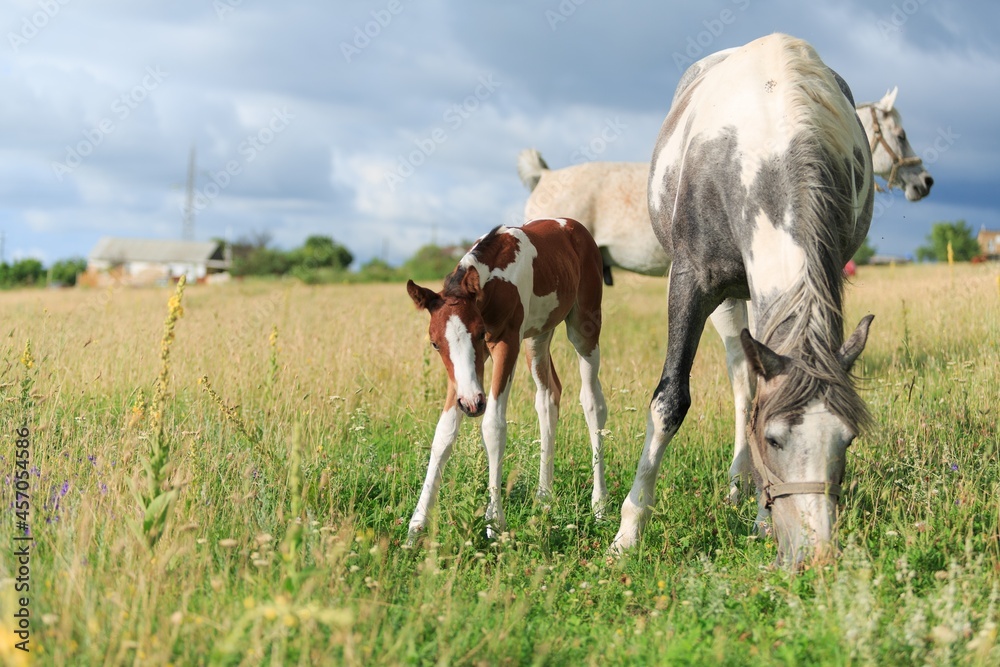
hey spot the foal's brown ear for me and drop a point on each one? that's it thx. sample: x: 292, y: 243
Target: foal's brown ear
x: 425, y: 299
x: 763, y: 360
x: 470, y: 281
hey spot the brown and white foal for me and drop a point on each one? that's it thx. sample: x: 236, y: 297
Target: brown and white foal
x: 515, y: 284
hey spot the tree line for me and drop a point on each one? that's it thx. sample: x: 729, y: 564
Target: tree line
x: 964, y: 245
x: 29, y: 271
x: 322, y: 260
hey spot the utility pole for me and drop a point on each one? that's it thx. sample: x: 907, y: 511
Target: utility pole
x: 187, y: 231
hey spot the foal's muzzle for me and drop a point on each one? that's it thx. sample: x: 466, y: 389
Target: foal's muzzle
x: 474, y: 407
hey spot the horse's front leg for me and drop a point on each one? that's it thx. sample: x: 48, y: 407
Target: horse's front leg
x: 504, y: 355
x: 688, y: 308
x: 729, y: 319
x: 444, y: 438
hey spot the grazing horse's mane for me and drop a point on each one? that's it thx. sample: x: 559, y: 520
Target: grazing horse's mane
x: 806, y: 321
x: 453, y: 282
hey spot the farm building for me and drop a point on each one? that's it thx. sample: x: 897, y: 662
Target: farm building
x: 989, y: 243
x: 152, y: 261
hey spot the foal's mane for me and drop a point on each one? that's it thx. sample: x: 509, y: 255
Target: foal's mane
x: 806, y: 321
x: 479, y: 251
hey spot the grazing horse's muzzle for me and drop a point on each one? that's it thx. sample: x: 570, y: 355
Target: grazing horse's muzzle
x: 474, y: 407
x: 804, y: 527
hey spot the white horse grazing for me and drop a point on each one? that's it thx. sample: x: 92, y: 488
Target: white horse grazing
x: 760, y: 189
x: 609, y: 198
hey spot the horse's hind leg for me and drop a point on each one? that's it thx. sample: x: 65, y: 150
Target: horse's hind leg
x: 729, y: 319
x: 583, y: 326
x: 548, y: 391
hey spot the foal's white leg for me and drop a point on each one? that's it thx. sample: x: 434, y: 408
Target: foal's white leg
x: 494, y: 440
x: 444, y: 438
x: 546, y: 405
x: 729, y: 319
x: 595, y: 411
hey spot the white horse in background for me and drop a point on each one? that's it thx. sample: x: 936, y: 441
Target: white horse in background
x: 609, y: 198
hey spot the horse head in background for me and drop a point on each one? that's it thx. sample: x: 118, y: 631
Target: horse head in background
x: 892, y: 156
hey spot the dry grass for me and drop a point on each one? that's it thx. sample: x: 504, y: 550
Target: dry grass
x: 290, y: 555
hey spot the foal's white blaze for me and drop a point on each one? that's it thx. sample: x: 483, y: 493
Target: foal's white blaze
x: 463, y: 360
x: 777, y: 260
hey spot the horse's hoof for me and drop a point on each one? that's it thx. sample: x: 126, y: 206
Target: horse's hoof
x: 599, y: 507
x: 762, y: 527
x: 734, y: 496
x: 623, y: 542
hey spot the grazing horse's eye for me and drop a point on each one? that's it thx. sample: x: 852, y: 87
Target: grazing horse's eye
x: 771, y: 442
x: 435, y: 346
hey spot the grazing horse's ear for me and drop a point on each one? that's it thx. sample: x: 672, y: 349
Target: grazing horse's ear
x: 425, y: 299
x: 764, y: 362
x: 850, y: 350
x: 470, y: 281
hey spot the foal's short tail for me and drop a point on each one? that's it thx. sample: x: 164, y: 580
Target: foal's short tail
x: 530, y: 166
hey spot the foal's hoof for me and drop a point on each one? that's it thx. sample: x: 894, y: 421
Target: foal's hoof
x: 413, y: 536
x: 544, y: 499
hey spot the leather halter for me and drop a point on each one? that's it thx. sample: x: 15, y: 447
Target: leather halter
x: 878, y: 138
x: 772, y: 487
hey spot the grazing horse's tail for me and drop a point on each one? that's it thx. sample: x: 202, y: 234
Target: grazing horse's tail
x: 530, y: 166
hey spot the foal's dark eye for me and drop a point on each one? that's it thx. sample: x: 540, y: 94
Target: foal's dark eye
x: 435, y: 345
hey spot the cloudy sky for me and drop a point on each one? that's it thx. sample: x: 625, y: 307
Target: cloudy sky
x: 393, y: 123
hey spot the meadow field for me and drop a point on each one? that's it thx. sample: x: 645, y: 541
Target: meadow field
x: 237, y: 492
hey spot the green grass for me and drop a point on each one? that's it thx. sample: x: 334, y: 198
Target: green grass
x: 266, y: 562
